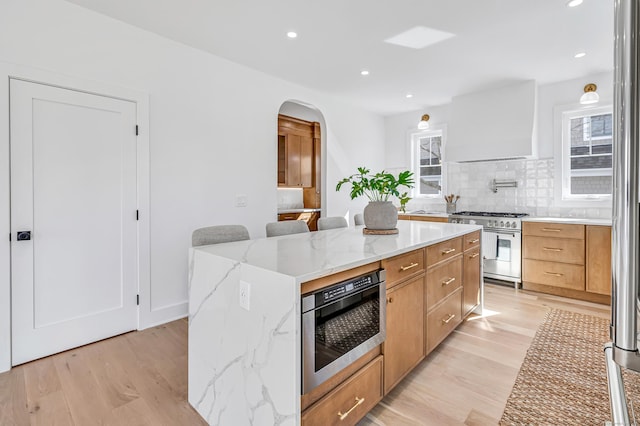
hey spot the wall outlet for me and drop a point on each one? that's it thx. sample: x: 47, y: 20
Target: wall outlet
x: 244, y: 295
x: 241, y: 200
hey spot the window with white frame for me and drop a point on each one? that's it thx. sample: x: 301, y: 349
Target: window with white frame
x: 427, y: 149
x: 587, y: 145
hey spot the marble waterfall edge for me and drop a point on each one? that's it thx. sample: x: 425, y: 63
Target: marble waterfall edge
x: 242, y: 364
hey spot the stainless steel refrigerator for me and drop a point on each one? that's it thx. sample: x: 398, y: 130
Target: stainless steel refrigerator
x: 622, y: 352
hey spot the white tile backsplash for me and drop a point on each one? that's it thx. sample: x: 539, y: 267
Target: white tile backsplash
x: 534, y: 194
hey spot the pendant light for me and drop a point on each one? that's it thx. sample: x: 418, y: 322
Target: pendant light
x: 590, y: 96
x: 424, y: 122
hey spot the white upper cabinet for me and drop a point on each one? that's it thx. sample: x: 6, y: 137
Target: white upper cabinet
x: 494, y: 124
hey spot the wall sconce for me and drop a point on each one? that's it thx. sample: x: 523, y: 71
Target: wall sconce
x: 424, y: 122
x: 590, y: 96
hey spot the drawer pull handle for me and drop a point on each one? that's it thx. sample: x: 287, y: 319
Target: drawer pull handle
x: 551, y: 249
x: 358, y: 402
x: 449, y: 281
x: 447, y: 251
x: 449, y: 318
x: 406, y: 268
x: 555, y: 274
x: 473, y: 256
x: 474, y: 241
x: 551, y: 229
x: 390, y: 300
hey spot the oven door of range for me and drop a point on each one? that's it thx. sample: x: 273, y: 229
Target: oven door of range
x: 502, y: 254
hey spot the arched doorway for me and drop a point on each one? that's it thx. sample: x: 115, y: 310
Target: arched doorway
x: 301, y: 164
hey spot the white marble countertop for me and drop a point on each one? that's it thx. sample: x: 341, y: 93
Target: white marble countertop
x: 281, y: 211
x: 312, y: 255
x: 569, y: 220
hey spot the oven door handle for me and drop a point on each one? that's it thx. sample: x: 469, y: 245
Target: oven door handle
x: 512, y: 234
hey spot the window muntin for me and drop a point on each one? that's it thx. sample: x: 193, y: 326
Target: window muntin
x: 427, y: 152
x: 587, y: 153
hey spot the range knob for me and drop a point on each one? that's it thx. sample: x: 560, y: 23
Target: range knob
x: 501, y: 224
x: 507, y: 224
x: 514, y: 225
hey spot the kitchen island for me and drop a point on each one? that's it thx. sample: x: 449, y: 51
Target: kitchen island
x: 245, y: 314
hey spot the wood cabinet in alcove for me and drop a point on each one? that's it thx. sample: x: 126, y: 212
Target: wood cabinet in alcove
x: 295, y: 152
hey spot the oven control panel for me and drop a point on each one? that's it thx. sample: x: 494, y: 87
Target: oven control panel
x: 343, y: 289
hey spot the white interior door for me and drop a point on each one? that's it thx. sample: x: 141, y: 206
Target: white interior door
x: 73, y: 187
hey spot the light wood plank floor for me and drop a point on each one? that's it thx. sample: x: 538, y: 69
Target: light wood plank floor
x: 140, y: 378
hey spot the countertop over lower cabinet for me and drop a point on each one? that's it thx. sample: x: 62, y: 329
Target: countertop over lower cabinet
x: 245, y: 357
x: 569, y: 220
x: 284, y: 211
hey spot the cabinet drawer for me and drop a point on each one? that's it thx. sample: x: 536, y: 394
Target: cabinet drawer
x: 350, y: 401
x: 555, y: 230
x: 471, y: 241
x: 442, y: 280
x: 443, y: 251
x: 553, y: 274
x: 404, y: 266
x: 566, y: 250
x: 443, y: 319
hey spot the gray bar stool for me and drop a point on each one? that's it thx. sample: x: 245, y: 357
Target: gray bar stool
x: 219, y: 234
x: 286, y: 227
x: 332, y: 223
x: 358, y: 219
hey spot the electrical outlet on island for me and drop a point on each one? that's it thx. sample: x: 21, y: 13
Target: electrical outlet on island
x: 245, y: 295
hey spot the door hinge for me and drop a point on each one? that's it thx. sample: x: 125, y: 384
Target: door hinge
x: 137, y: 214
x: 136, y: 130
x: 137, y: 299
x: 9, y: 236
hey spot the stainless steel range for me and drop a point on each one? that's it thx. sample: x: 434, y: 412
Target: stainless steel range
x: 501, y: 242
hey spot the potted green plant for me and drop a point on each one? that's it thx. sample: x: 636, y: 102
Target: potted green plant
x: 380, y: 213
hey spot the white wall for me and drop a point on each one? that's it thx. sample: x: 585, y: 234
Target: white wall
x: 212, y: 132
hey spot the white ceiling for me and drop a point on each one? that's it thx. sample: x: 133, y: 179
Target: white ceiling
x: 496, y: 42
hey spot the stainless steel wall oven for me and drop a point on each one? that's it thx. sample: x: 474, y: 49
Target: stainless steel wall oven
x: 341, y: 323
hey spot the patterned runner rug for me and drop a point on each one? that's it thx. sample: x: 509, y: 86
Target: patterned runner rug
x: 563, y: 380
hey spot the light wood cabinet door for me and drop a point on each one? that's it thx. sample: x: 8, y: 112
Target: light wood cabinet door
x: 442, y: 280
x: 350, y: 401
x: 404, y: 346
x: 599, y: 259
x: 565, y: 250
x: 470, y: 280
x: 443, y: 319
x: 296, y: 154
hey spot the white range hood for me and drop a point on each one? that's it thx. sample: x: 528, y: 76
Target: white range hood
x: 493, y: 124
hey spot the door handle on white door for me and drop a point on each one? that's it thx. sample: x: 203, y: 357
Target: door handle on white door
x: 23, y: 235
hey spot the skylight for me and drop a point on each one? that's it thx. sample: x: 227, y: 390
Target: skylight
x: 419, y: 37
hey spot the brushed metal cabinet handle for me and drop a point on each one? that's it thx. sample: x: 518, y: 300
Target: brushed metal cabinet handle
x: 555, y: 274
x: 551, y: 249
x: 449, y: 281
x: 551, y: 229
x: 344, y: 416
x: 449, y: 318
x: 447, y: 251
x: 473, y: 256
x: 405, y: 268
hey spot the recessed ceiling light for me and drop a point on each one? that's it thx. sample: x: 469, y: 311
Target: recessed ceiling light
x: 364, y: 72
x: 580, y: 55
x: 292, y: 34
x: 419, y: 37
x: 408, y: 95
x: 574, y: 3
